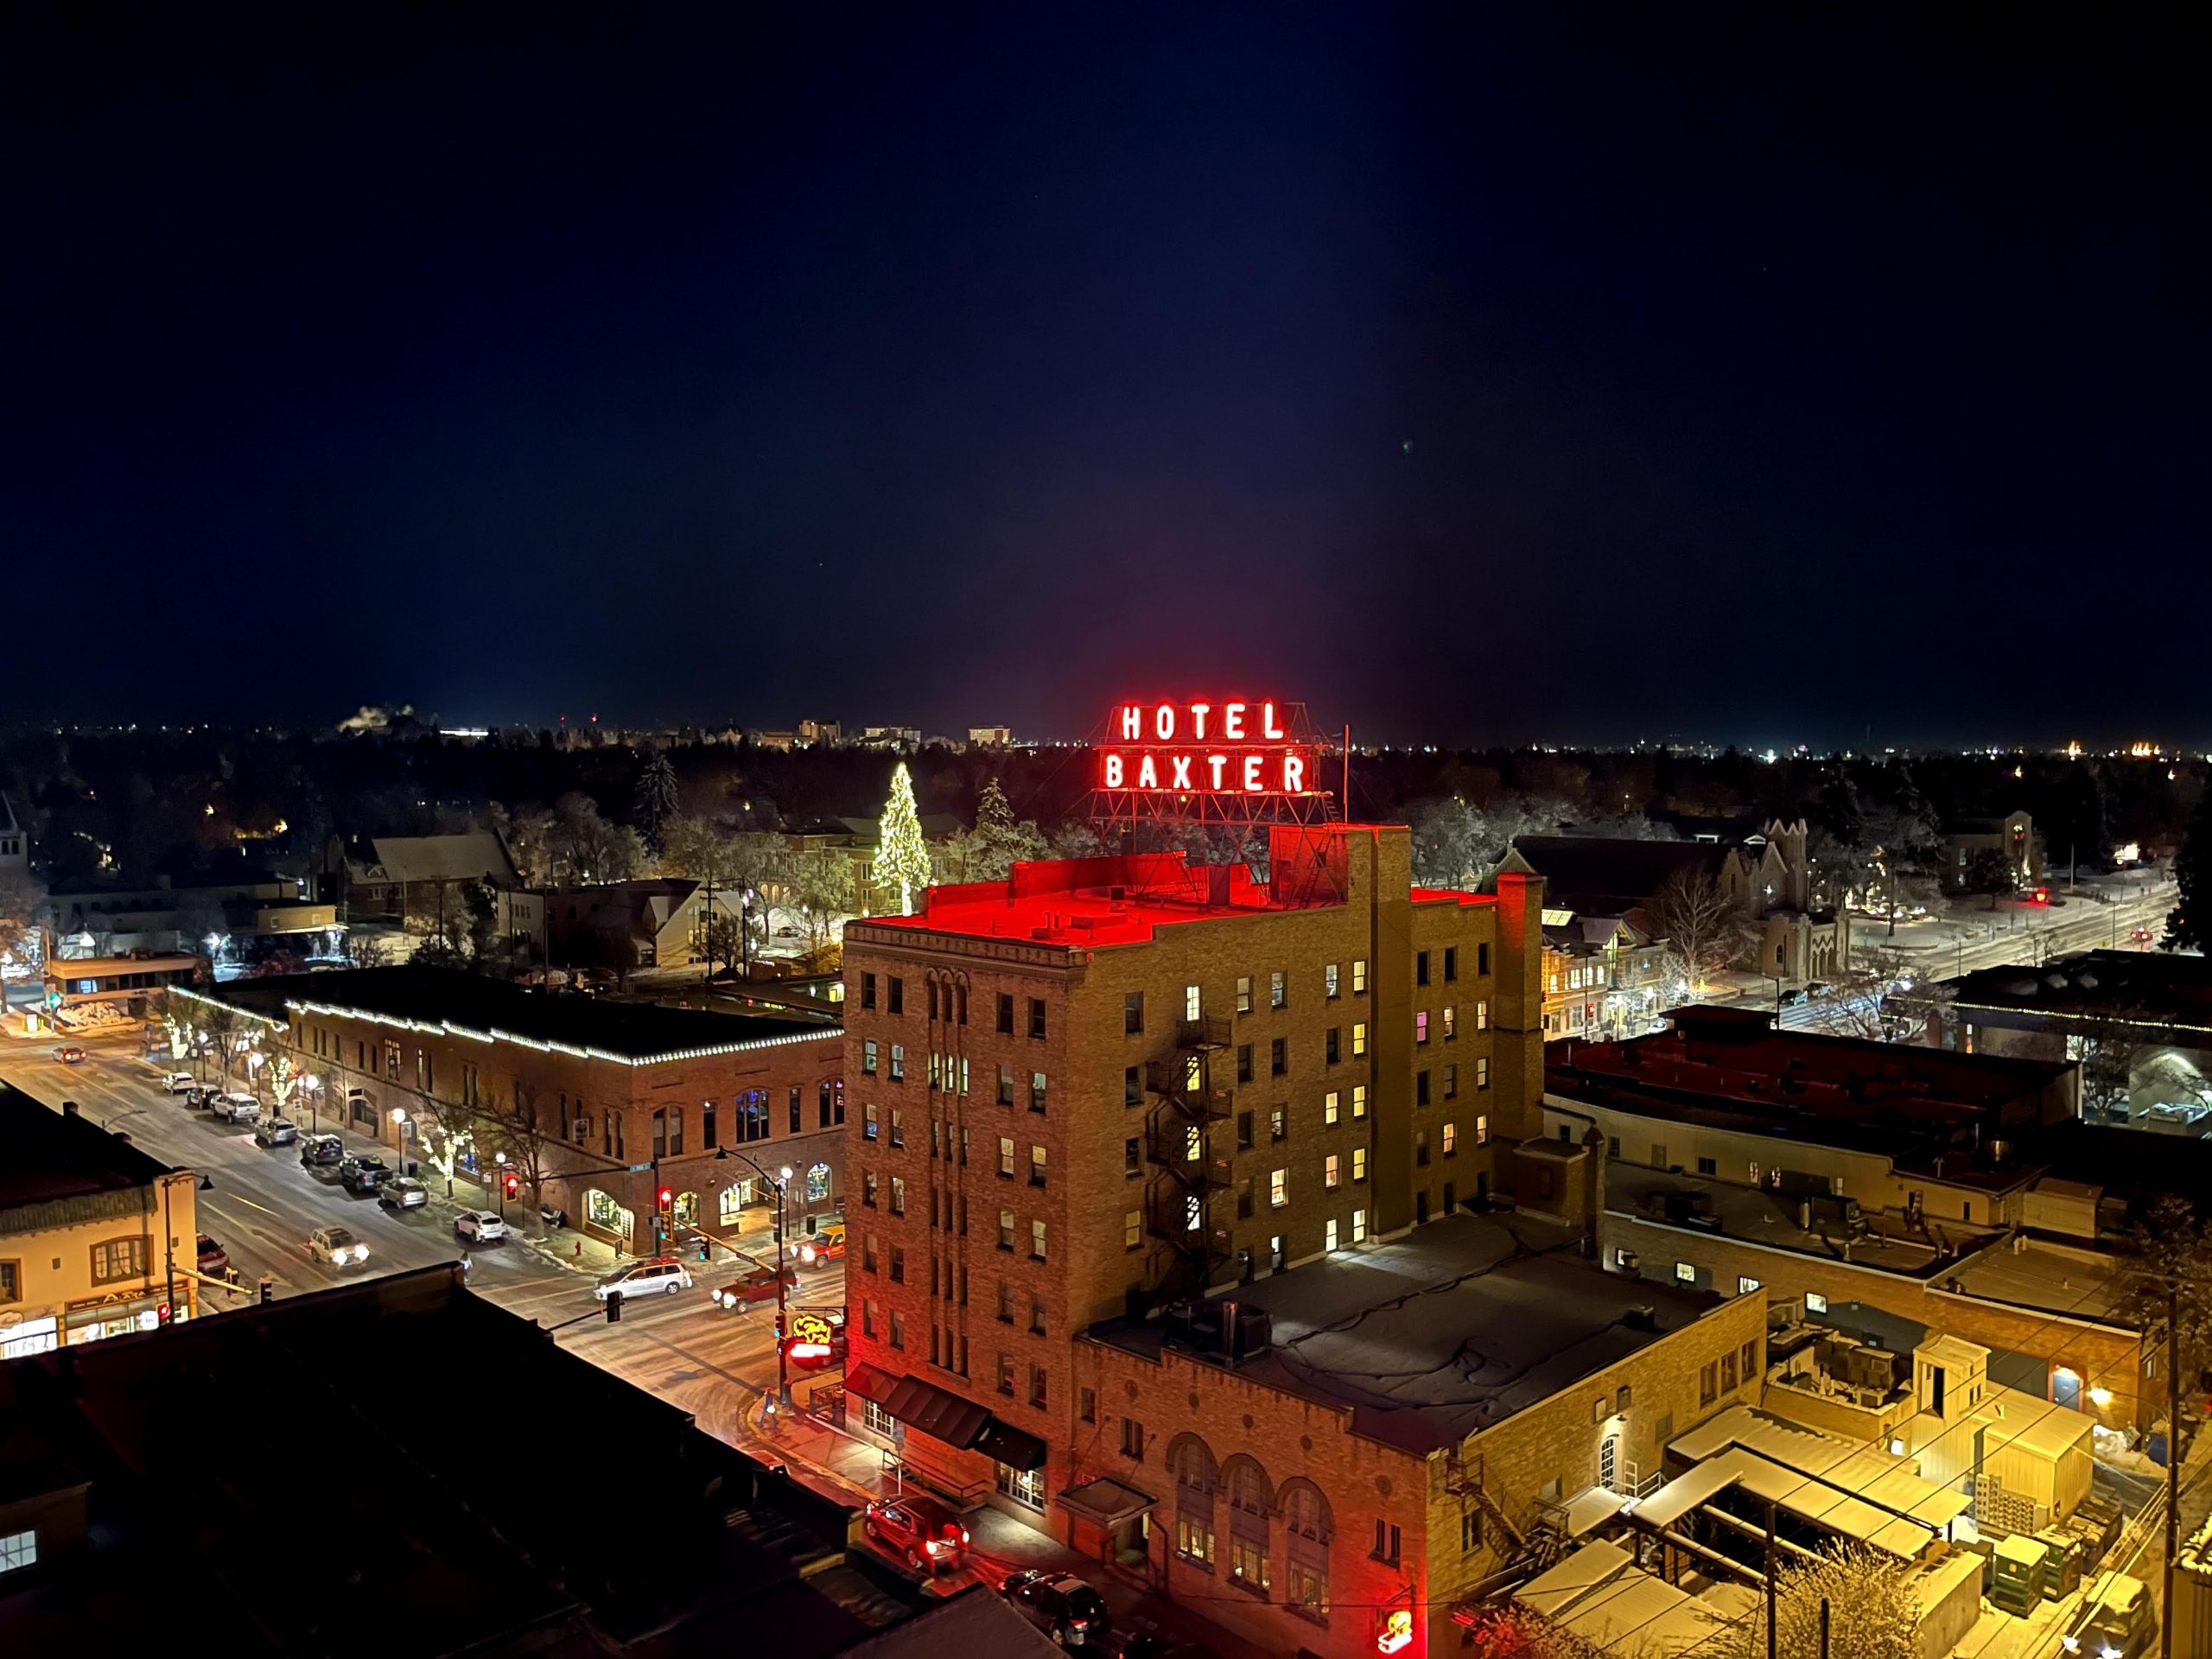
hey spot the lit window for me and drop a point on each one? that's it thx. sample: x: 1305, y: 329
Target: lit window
x: 1329, y: 1107
x: 1329, y: 981
x: 1358, y: 1100
x: 1358, y: 1226
x: 1328, y: 1171
x: 1450, y: 1139
x: 1329, y: 1234
x: 1037, y: 1239
x: 1482, y: 1016
x: 1191, y: 1002
x: 1420, y: 1026
x: 18, y: 1551
x: 1816, y: 1303
x: 1482, y: 1129
x: 1359, y: 1163
x: 1243, y: 994
x: 1685, y: 1273
x: 1133, y: 1230
x: 1359, y: 976
x: 1279, y: 1188
x: 1278, y: 990
x: 1482, y: 1071
x: 1746, y: 1285
x: 1451, y: 1022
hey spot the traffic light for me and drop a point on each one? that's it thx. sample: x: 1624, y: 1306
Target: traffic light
x: 513, y: 1184
x: 614, y: 1308
x: 666, y: 1199
x: 161, y: 1314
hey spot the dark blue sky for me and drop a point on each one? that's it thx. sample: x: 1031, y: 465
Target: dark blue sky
x: 1553, y: 372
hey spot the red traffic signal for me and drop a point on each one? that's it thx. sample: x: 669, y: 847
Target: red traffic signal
x: 514, y: 1183
x: 667, y: 1199
x: 161, y: 1314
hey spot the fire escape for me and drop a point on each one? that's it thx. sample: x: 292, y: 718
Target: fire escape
x: 1190, y: 1095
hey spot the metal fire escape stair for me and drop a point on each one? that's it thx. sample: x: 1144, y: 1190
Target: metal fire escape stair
x: 1189, y: 1097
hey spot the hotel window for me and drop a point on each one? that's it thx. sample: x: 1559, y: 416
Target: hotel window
x: 1006, y: 1085
x: 1420, y: 1148
x: 1708, y: 1385
x: 1036, y: 1314
x: 868, y: 1188
x: 1329, y: 1108
x: 1359, y: 976
x: 1037, y: 1016
x: 1482, y: 1016
x: 1329, y: 1234
x: 1036, y: 1166
x: 1451, y: 962
x: 1750, y: 1358
x: 1243, y: 994
x: 1131, y: 1013
x: 1131, y: 1086
x: 1243, y: 1131
x: 1420, y: 967
x: 1728, y: 1373
x: 1329, y: 981
x: 1359, y: 1226
x: 1451, y: 1022
x: 1036, y: 1092
x: 797, y: 1115
x: 1358, y: 1100
x: 1330, y: 1172
x: 898, y: 1195
x: 1420, y: 1087
x: 868, y: 1056
x: 1279, y: 1188
x: 1006, y: 1229
x: 1359, y: 1163
x: 1132, y: 1156
x: 1244, y: 1200
x: 898, y: 1319
x: 1450, y: 1139
x: 1330, y: 1050
x: 1005, y: 1014
x: 1279, y: 1121
x: 1482, y: 958
x: 1278, y: 990
x: 1746, y: 1285
x: 898, y: 1060
x: 1279, y: 1057
x: 1192, y: 1003
x: 1006, y: 1374
x: 898, y: 1264
x: 1133, y: 1439
x: 1133, y: 1230
x: 1482, y: 1129
x: 898, y: 1127
x: 1037, y: 1375
x: 1037, y: 1241
x: 1005, y: 1303
x: 1358, y: 1039
x: 1006, y: 1156
x: 1420, y: 1026
x: 1451, y: 1082
x: 1482, y: 1072
x: 1243, y: 1062
x: 898, y: 994
x: 1706, y: 1166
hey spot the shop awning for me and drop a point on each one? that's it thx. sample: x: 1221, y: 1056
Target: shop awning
x: 925, y: 1408
x: 1104, y: 1502
x: 1016, y: 1448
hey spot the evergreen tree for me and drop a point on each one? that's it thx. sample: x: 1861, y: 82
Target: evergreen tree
x: 901, y: 854
x: 656, y: 802
x: 2189, y: 923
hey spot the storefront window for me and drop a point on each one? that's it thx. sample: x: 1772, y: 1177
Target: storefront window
x: 1022, y: 1485
x: 604, y: 1213
x: 732, y: 1198
x: 817, y: 1183
x: 686, y: 1208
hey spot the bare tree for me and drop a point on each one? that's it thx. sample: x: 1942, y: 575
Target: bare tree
x: 20, y: 899
x: 453, y: 1131
x: 1873, y: 1611
x: 368, y: 950
x: 521, y: 1125
x: 1704, y: 931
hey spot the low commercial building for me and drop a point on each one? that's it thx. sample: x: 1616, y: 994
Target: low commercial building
x: 1604, y: 980
x: 97, y: 1239
x: 1335, y: 1457
x: 598, y: 1105
x: 2013, y: 838
x: 660, y: 922
x: 238, y: 917
x: 127, y: 985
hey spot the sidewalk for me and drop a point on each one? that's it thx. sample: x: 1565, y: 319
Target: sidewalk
x: 840, y: 1464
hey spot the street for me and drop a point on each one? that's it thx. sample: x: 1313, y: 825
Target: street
x: 263, y: 1204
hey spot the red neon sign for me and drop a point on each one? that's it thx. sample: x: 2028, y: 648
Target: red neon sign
x: 1230, y: 747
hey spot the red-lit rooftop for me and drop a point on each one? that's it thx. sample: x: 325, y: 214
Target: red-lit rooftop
x: 1125, y: 899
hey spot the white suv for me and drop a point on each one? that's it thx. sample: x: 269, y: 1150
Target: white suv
x: 238, y: 1108
x: 664, y: 1274
x: 176, y: 1083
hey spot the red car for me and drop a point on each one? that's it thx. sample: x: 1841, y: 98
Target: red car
x: 917, y: 1529
x: 757, y: 1286
x: 69, y: 1054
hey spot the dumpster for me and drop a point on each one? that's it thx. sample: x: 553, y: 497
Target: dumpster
x: 2017, y: 1573
x: 2062, y: 1566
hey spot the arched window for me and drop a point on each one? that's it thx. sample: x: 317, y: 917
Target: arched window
x: 1192, y: 1464
x: 817, y: 1183
x: 1250, y: 1499
x: 686, y: 1210
x: 1306, y: 1528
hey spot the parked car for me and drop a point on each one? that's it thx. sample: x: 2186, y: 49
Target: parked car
x: 336, y: 1246
x: 918, y: 1529
x: 827, y: 1245
x: 69, y: 1054
x: 757, y: 1286
x: 213, y: 1258
x: 176, y: 1083
x: 403, y: 1193
x: 664, y: 1275
x: 235, y: 1108
x: 362, y: 1172
x: 479, y: 1227
x: 1067, y: 1610
x: 275, y: 1132
x: 317, y: 1151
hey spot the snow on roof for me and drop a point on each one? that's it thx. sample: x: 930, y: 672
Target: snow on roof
x: 1603, y: 1597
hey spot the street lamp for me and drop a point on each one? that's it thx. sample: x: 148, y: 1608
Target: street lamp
x: 500, y: 1158
x: 399, y: 1137
x: 776, y: 1183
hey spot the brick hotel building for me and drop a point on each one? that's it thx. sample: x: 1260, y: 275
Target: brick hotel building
x: 1108, y: 1084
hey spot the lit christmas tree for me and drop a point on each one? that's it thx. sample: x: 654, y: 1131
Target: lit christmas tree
x: 901, y: 856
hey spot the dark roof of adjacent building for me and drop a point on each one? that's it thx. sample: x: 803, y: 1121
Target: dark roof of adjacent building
x: 1612, y: 877
x: 977, y: 1623
x: 579, y: 1515
x: 1730, y: 1068
x: 474, y: 1003
x: 1450, y: 1328
x: 471, y: 857
x: 54, y: 1154
x: 2153, y: 987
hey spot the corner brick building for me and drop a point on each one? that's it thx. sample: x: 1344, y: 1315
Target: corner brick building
x: 1098, y: 1103
x: 617, y: 1091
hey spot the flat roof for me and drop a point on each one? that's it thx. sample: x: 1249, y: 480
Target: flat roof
x: 52, y: 1154
x: 1082, y: 903
x: 2151, y: 987
x: 1452, y: 1328
x: 2078, y: 1284
x: 445, y: 999
x: 1757, y: 1215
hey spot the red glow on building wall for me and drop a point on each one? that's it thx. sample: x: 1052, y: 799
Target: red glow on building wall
x: 1230, y: 747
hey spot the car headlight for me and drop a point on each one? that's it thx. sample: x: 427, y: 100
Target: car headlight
x: 806, y: 1253
x: 932, y: 1546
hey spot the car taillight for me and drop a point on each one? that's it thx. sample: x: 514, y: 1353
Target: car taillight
x: 964, y: 1535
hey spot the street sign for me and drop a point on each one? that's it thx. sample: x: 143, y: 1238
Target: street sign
x: 640, y: 1169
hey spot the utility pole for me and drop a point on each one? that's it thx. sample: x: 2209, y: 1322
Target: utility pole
x: 2173, y: 1463
x: 1769, y: 1579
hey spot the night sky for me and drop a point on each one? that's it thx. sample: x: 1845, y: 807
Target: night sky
x: 1544, y: 372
